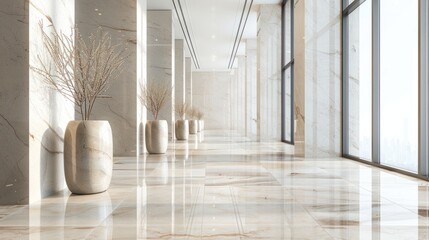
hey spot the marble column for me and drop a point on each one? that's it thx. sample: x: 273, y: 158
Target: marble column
x: 251, y: 89
x: 160, y: 58
x: 32, y: 116
x: 318, y: 77
x: 269, y: 72
x: 141, y: 72
x: 188, y: 82
x: 299, y: 77
x: 117, y: 17
x: 179, y: 68
x: 241, y: 94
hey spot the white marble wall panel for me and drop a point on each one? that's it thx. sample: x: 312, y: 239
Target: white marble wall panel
x: 299, y: 77
x: 179, y: 68
x: 49, y: 111
x: 241, y: 94
x: 188, y: 83
x: 212, y: 93
x: 269, y: 74
x: 14, y: 98
x: 160, y: 58
x: 141, y: 71
x: 32, y: 117
x: 233, y: 100
x: 251, y: 89
x: 322, y: 78
x: 318, y: 78
x: 119, y: 18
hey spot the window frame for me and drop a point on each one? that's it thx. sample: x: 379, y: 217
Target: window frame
x: 284, y: 67
x: 423, y: 83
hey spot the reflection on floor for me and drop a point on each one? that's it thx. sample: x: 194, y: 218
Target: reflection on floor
x: 226, y: 187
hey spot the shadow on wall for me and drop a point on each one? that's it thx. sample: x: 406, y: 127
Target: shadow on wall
x: 51, y: 163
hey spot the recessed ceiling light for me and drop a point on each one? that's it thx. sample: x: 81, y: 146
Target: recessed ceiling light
x: 96, y: 9
x: 213, y: 36
x: 99, y: 14
x: 156, y: 39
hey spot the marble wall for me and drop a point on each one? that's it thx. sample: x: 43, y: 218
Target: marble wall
x: 160, y: 58
x: 269, y: 72
x: 188, y: 82
x: 179, y: 68
x: 50, y: 112
x: 212, y: 93
x: 118, y: 17
x: 240, y: 92
x: 251, y: 89
x: 32, y: 116
x: 14, y: 99
x: 299, y: 77
x: 141, y: 72
x: 318, y: 76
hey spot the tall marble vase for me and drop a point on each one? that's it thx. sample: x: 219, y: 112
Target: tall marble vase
x: 88, y: 156
x: 193, y: 126
x: 156, y: 136
x: 182, y: 129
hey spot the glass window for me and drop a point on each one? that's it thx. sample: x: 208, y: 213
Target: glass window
x: 399, y: 83
x: 360, y: 82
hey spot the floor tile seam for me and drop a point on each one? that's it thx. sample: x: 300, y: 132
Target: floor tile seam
x: 192, y: 215
x: 316, y: 221
x: 236, y: 213
x: 393, y: 202
x: 202, y: 211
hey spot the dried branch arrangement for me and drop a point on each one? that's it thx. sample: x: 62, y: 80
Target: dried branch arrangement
x: 80, y: 71
x: 199, y: 115
x: 192, y: 112
x: 154, y: 97
x: 181, y: 110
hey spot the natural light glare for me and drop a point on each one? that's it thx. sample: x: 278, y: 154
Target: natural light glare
x: 399, y: 84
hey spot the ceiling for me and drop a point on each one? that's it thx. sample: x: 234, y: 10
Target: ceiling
x: 213, y: 26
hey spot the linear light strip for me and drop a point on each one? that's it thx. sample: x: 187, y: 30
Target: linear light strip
x: 189, y: 35
x: 238, y: 32
x: 242, y: 31
x: 186, y: 34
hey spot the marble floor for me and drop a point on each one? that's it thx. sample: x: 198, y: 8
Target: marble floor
x: 222, y: 186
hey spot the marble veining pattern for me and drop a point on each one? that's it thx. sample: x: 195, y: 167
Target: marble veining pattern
x: 119, y: 19
x: 269, y: 72
x: 229, y: 187
x: 161, y: 59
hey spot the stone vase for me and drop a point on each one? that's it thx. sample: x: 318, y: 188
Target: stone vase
x: 156, y: 136
x: 193, y: 126
x: 182, y: 129
x: 201, y: 125
x: 88, y: 156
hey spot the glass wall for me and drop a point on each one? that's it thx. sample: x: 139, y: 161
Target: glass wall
x: 360, y: 81
x: 399, y: 74
x: 287, y: 72
x: 381, y: 83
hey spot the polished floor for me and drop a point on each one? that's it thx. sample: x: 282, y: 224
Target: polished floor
x: 222, y: 186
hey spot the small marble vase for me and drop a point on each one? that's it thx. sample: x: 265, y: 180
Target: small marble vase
x: 182, y: 129
x: 193, y: 126
x: 156, y: 136
x: 88, y: 156
x: 201, y: 125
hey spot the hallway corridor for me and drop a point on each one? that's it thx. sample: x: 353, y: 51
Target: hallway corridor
x: 222, y: 186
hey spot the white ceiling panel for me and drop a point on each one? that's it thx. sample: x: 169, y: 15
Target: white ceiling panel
x: 213, y: 26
